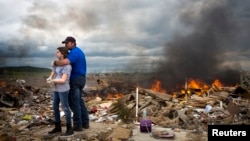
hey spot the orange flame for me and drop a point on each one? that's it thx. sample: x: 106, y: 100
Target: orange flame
x: 157, y: 87
x: 116, y: 96
x: 217, y: 83
x: 197, y: 84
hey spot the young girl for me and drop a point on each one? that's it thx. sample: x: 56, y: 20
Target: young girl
x: 60, y: 77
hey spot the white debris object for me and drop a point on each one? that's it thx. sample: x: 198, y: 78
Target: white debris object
x: 20, y: 81
x: 208, y: 108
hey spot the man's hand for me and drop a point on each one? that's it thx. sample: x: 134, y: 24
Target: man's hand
x: 53, y: 63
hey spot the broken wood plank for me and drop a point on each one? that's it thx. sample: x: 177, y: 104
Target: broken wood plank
x: 158, y: 95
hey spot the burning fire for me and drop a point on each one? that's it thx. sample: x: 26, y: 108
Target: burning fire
x: 110, y: 96
x: 217, y: 83
x: 192, y: 86
x: 157, y: 87
x: 198, y: 87
x: 197, y: 84
x: 117, y: 96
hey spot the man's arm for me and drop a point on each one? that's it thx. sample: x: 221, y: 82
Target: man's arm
x: 62, y: 62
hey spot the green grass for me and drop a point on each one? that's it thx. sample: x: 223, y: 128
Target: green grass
x: 23, y: 69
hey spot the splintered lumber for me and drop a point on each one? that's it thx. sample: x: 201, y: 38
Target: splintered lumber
x: 146, y: 104
x: 197, y: 101
x: 157, y: 95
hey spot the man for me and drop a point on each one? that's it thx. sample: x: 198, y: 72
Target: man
x: 77, y: 60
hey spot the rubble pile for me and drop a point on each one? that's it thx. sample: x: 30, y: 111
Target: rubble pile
x: 24, y: 110
x: 218, y: 105
x: 194, y: 112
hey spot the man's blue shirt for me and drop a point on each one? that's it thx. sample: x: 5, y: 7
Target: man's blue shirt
x: 78, y: 62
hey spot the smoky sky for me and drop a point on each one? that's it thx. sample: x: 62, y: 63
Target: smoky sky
x: 174, y: 39
x: 114, y: 32
x: 14, y: 48
x: 218, y: 28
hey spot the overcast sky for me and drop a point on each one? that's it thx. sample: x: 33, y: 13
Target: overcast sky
x: 128, y: 35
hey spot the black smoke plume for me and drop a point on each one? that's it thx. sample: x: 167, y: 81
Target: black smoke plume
x: 200, y: 51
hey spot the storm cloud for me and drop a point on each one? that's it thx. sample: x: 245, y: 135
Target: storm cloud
x: 176, y: 39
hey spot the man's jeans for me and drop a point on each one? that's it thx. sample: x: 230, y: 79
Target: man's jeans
x: 63, y: 98
x: 76, y: 103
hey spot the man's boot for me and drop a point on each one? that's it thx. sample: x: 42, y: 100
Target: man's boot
x: 85, y: 126
x: 69, y: 130
x: 57, y: 128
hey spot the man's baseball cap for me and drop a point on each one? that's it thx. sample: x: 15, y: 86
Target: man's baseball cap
x: 69, y: 39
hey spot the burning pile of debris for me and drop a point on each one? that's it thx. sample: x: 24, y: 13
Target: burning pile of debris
x: 26, y: 109
x: 165, y: 110
x: 193, y: 110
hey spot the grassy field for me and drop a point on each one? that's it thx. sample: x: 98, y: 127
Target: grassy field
x: 33, y: 76
x: 37, y: 76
